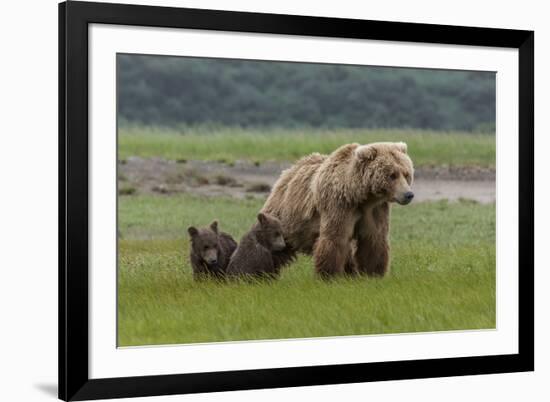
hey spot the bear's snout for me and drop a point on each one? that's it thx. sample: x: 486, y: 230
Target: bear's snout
x: 211, y: 256
x: 406, y: 198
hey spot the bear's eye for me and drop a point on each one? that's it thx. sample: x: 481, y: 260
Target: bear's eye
x: 205, y: 248
x: 393, y: 176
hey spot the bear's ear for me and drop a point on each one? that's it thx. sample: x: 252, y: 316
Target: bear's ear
x: 262, y: 219
x: 192, y: 231
x: 401, y: 146
x: 366, y: 153
x: 214, y: 226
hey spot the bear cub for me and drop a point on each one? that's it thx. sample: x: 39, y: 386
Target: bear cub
x: 210, y: 251
x: 254, y: 255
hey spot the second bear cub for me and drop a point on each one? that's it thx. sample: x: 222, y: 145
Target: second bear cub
x: 210, y: 251
x: 254, y: 255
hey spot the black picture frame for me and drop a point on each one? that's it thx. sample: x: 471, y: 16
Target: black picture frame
x: 74, y: 381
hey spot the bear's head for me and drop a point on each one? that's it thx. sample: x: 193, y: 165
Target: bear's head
x: 387, y: 170
x: 205, y: 242
x: 269, y: 232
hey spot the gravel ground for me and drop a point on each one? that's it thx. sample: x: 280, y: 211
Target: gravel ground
x: 245, y: 179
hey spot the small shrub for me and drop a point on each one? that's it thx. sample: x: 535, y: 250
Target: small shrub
x: 127, y: 190
x: 159, y: 188
x: 258, y: 188
x: 196, y: 178
x: 467, y: 201
x: 224, y: 180
x: 201, y: 180
x: 175, y: 178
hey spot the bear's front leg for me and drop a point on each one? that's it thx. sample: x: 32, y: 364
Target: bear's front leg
x: 373, y: 249
x: 332, y: 249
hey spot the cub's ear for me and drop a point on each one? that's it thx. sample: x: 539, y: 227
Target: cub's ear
x: 401, y: 146
x: 192, y: 231
x: 262, y: 218
x: 214, y: 226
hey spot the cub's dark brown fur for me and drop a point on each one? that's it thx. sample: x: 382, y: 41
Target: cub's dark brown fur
x: 254, y: 256
x: 210, y: 251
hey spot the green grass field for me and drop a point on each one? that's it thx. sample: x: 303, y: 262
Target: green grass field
x: 443, y: 270
x: 228, y: 144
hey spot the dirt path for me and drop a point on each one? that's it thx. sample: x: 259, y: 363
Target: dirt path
x: 482, y: 191
x: 244, y: 179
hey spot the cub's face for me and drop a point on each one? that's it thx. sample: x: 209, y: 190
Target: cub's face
x: 272, y: 231
x: 387, y: 171
x: 204, y: 242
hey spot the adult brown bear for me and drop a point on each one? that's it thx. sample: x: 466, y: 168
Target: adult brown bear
x: 337, y: 206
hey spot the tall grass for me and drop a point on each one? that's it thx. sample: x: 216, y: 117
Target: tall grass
x: 228, y: 144
x: 443, y: 278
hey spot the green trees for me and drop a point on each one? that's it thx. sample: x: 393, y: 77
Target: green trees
x: 179, y: 90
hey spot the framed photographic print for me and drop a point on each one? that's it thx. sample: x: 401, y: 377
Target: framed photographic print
x: 257, y: 200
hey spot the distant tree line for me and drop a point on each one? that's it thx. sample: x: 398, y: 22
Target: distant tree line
x: 161, y: 90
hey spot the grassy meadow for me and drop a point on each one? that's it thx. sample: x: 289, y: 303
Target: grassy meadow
x: 442, y: 277
x: 205, y: 138
x: 429, y: 148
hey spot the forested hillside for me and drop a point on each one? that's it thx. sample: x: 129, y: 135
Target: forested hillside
x: 171, y: 91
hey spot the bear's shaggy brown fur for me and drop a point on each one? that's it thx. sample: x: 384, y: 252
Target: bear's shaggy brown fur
x: 337, y: 206
x: 210, y: 251
x: 254, y: 255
